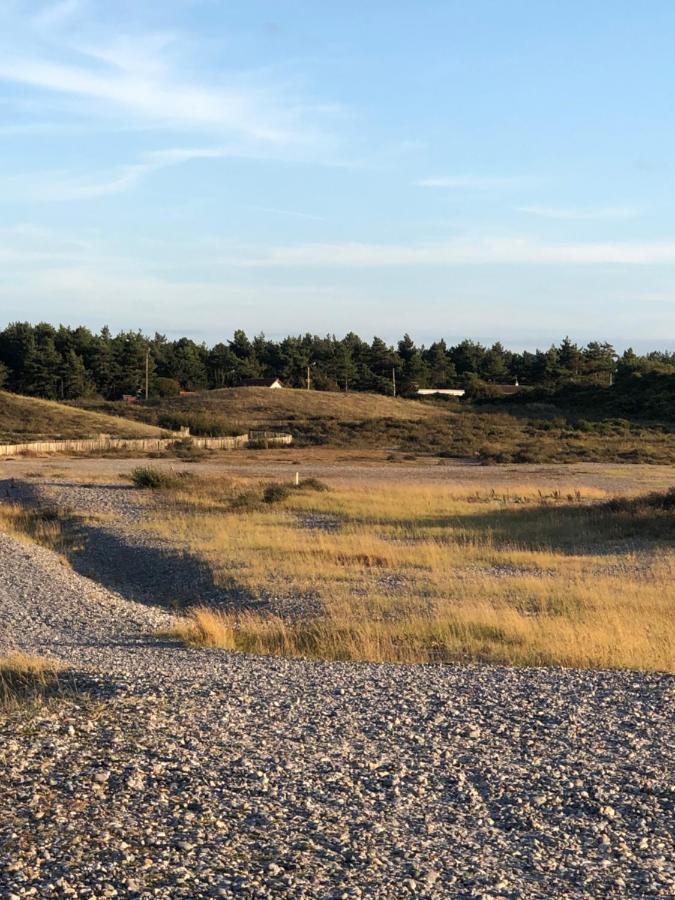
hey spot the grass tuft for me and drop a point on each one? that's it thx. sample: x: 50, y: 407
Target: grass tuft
x: 50, y: 526
x: 313, y: 484
x: 26, y: 679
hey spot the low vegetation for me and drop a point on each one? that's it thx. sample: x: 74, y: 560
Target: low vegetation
x: 646, y: 396
x: 154, y: 479
x: 520, y: 432
x: 49, y: 526
x: 409, y: 574
x: 200, y: 424
x: 27, y: 680
x: 527, y: 435
x: 24, y: 419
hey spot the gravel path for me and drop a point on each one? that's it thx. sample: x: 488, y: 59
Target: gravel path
x: 195, y: 774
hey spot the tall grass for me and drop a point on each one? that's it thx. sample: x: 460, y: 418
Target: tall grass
x: 405, y: 574
x: 49, y: 526
x: 26, y: 679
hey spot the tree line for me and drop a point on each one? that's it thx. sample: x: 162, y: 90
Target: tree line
x: 69, y: 363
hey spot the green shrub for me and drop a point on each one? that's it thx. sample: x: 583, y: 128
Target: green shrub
x: 200, y: 424
x: 185, y: 449
x: 147, y: 477
x: 275, y: 493
x: 165, y: 387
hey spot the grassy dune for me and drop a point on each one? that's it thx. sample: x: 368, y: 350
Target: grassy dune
x: 316, y: 418
x: 30, y: 419
x: 514, y: 576
x: 262, y: 405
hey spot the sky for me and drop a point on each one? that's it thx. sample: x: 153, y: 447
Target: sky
x: 492, y: 169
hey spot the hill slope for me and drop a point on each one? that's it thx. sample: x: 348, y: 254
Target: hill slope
x: 30, y: 419
x: 365, y: 420
x: 246, y: 408
x: 263, y: 404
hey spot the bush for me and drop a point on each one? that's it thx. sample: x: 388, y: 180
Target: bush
x: 200, y: 424
x: 146, y: 477
x: 165, y: 387
x: 186, y: 450
x: 275, y: 493
x: 246, y: 501
x: 658, y: 500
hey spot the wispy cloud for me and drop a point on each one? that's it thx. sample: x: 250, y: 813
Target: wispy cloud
x: 56, y: 13
x: 159, y: 100
x: 475, y: 182
x: 59, y: 186
x: 148, y: 77
x: 580, y: 214
x: 465, y: 251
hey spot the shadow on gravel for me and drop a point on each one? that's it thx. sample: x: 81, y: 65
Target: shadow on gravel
x: 82, y: 684
x: 146, y: 573
x: 137, y: 566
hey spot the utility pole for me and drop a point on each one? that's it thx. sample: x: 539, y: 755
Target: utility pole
x: 147, y: 372
x: 307, y: 376
x: 393, y: 378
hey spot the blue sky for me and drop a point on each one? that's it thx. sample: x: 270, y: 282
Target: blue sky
x: 498, y: 169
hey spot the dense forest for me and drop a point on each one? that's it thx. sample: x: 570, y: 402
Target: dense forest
x: 70, y: 363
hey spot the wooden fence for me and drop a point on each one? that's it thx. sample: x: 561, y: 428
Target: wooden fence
x: 108, y: 443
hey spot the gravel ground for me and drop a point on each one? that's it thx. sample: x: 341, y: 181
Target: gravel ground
x: 177, y: 773
x: 363, y: 468
x: 136, y: 563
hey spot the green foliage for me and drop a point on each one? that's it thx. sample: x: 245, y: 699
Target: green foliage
x: 275, y: 493
x: 635, y: 395
x: 165, y: 387
x: 68, y: 363
x: 154, y: 479
x: 200, y: 424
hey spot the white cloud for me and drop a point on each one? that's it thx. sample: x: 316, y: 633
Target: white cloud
x: 465, y: 251
x: 56, y: 13
x: 60, y: 186
x: 157, y: 99
x: 475, y: 182
x: 571, y: 214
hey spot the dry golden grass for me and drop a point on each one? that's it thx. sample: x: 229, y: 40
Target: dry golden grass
x: 26, y: 679
x: 31, y: 419
x: 48, y: 526
x: 408, y: 574
x: 261, y: 404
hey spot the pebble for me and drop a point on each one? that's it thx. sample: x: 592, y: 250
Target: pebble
x: 172, y: 773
